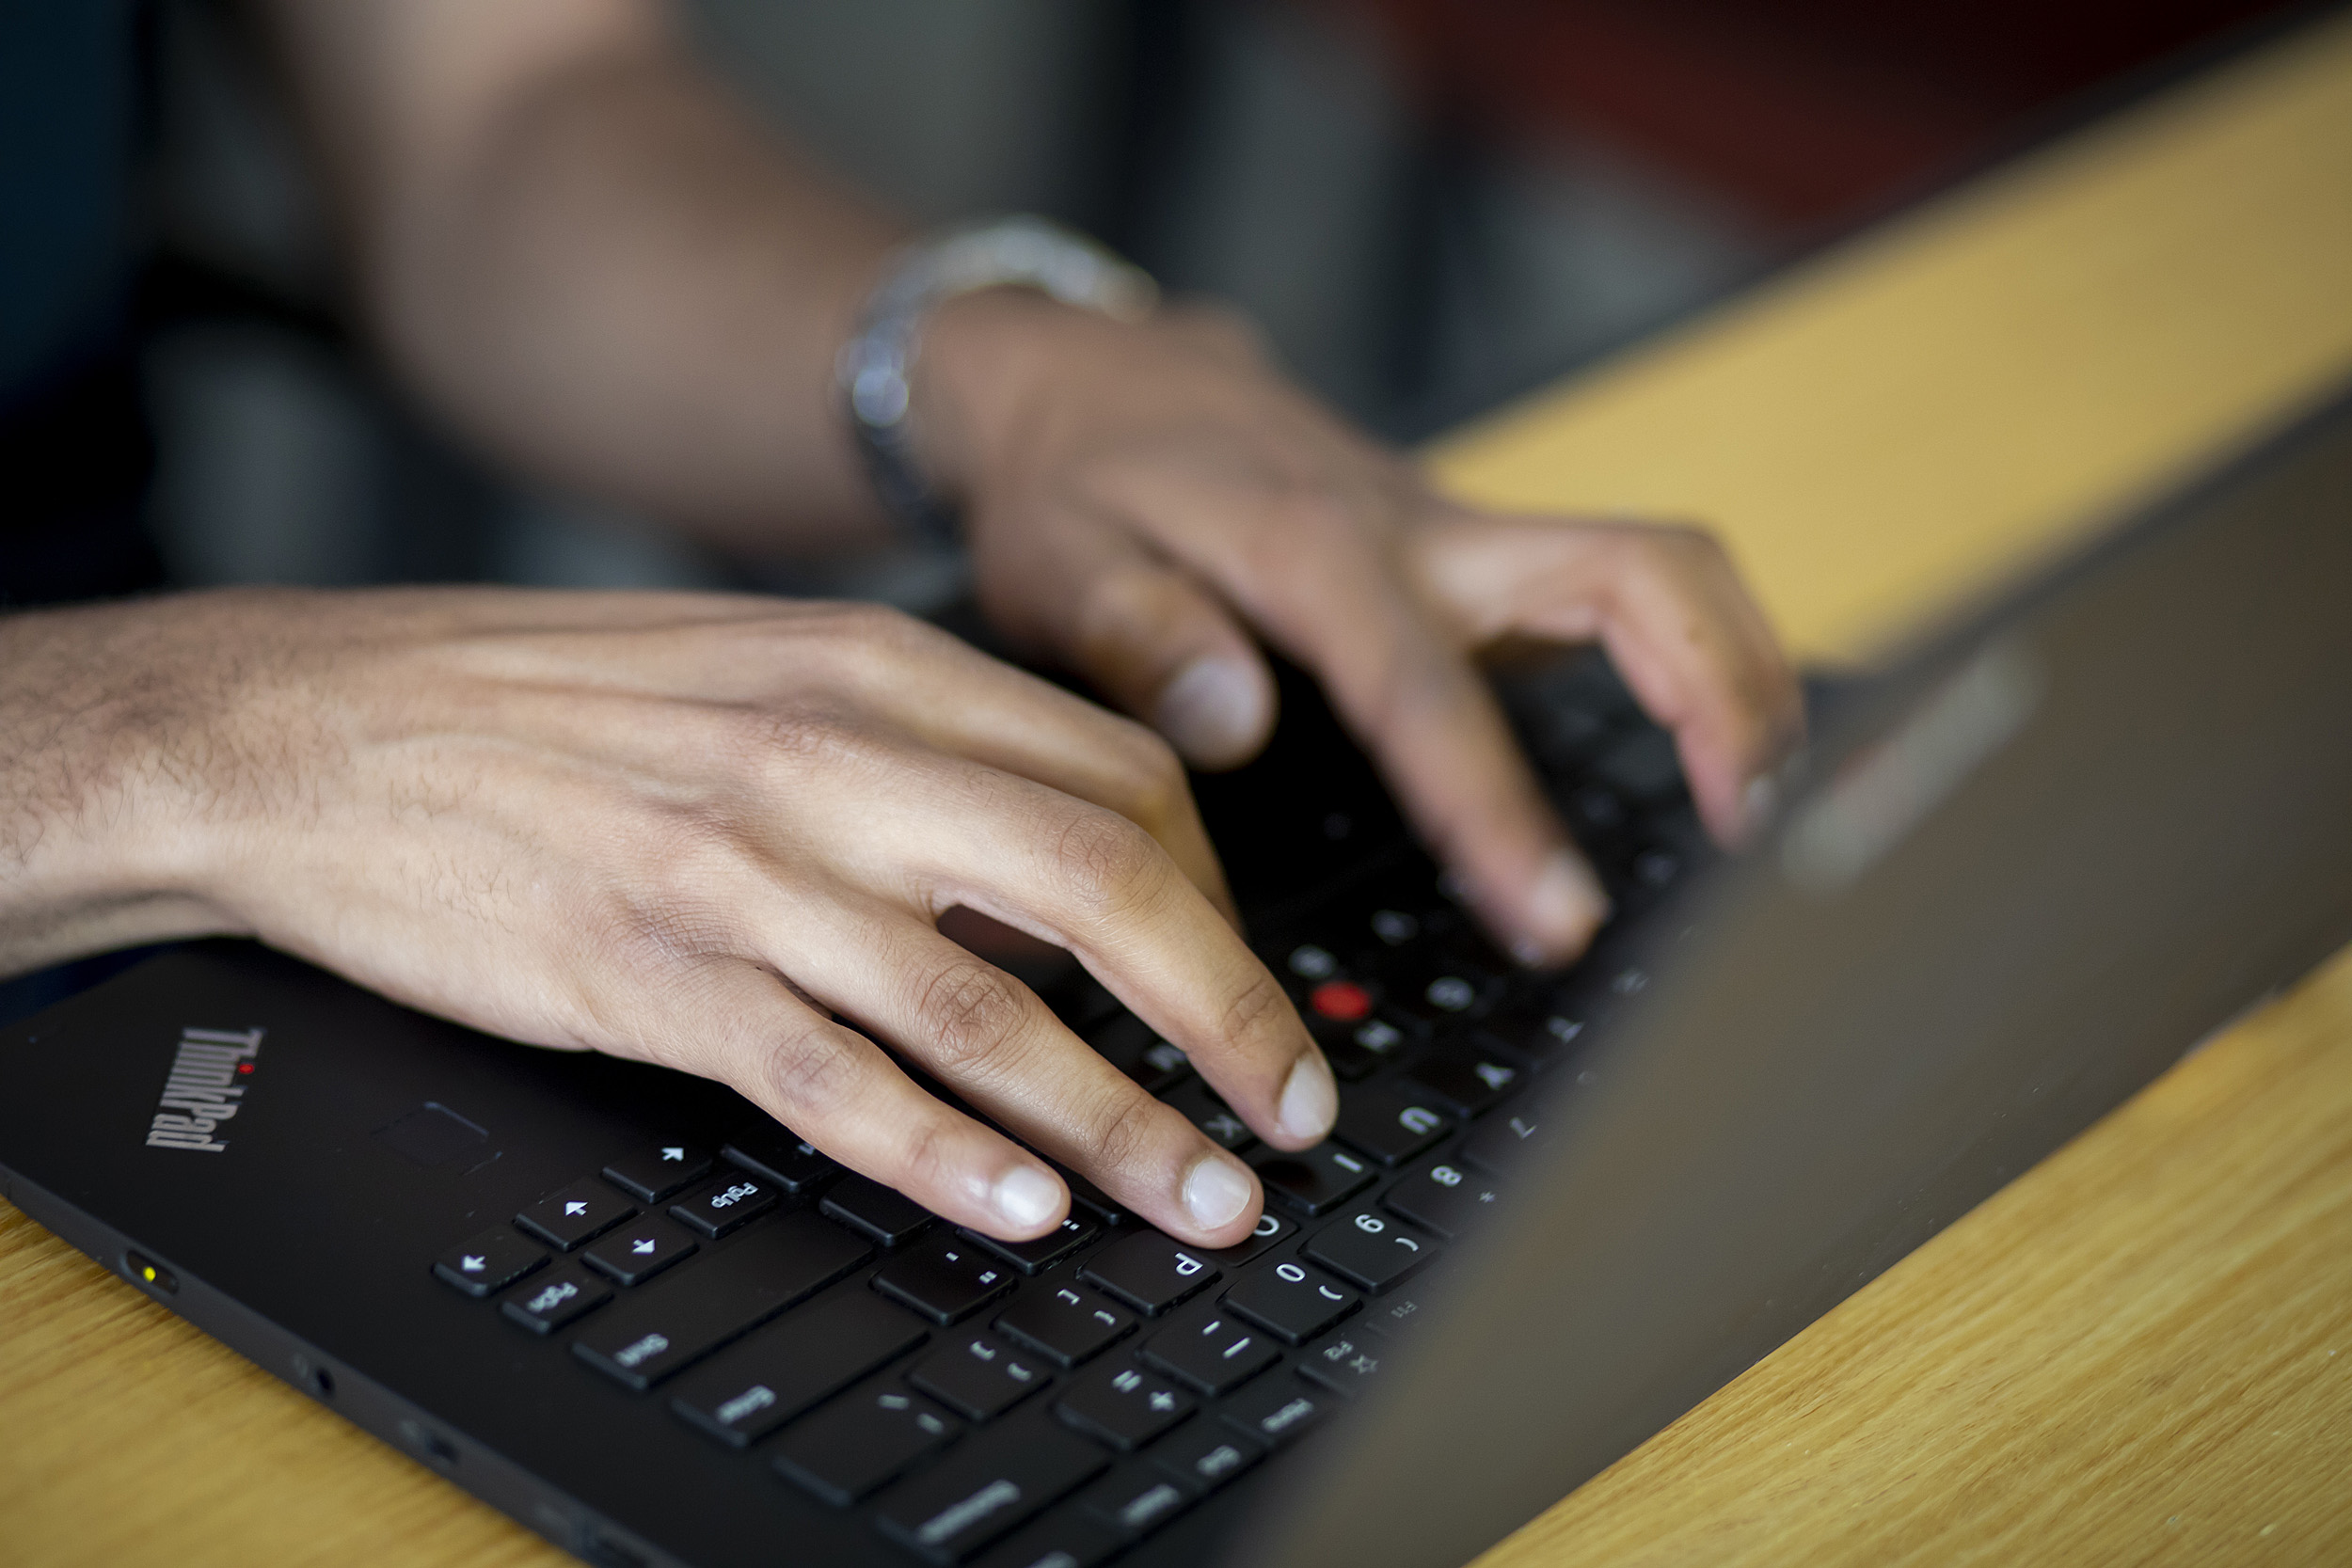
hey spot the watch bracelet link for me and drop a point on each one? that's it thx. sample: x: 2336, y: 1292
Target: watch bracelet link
x: 875, y: 364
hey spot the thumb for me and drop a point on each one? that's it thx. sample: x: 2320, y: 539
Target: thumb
x: 1161, y: 647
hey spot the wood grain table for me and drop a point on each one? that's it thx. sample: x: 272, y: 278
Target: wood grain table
x: 2141, y: 1349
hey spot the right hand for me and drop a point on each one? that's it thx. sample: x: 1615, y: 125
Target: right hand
x: 692, y: 830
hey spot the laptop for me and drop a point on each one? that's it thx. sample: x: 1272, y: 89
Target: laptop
x: 2046, y: 854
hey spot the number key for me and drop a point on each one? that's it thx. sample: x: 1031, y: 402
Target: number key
x: 1369, y: 1251
x: 1295, y: 1303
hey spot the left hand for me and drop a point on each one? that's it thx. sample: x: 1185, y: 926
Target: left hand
x: 1135, y: 494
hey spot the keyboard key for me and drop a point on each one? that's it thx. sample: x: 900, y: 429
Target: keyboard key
x: 1270, y: 1232
x: 1536, y: 1032
x: 1067, y: 1539
x: 1203, y: 1109
x: 983, y: 1493
x: 1345, y: 1363
x: 1123, y: 1406
x: 845, y: 1450
x: 1397, y: 1314
x: 1444, y: 1196
x: 1091, y: 1200
x: 1130, y: 1045
x: 1357, y: 1052
x: 1465, y: 1080
x: 1501, y: 1143
x: 548, y: 1302
x: 1440, y: 989
x: 1135, y: 1499
x: 1295, y: 1302
x: 882, y: 1213
x: 659, y: 1172
x: 1278, y: 1411
x: 979, y: 1376
x: 728, y: 1204
x: 945, y: 1279
x: 489, y: 1263
x: 1068, y: 1323
x: 670, y: 1323
x: 575, y: 1216
x: 1148, y: 1270
x: 638, y: 1250
x: 1206, y: 1457
x: 1369, y: 1251
x: 1644, y: 766
x: 1391, y: 1123
x: 1311, y: 963
x: 1215, y: 1351
x: 791, y: 1163
x: 789, y: 1366
x: 1315, y: 1181
x: 1033, y: 1257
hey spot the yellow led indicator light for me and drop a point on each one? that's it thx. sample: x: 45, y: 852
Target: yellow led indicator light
x: 149, y: 1273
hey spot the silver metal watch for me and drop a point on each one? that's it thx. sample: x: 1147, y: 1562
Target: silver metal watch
x: 876, y: 363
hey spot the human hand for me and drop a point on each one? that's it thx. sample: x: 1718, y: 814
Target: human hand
x: 690, y: 830
x: 1135, y: 494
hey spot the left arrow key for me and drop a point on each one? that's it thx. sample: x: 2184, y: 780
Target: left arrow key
x: 488, y: 1263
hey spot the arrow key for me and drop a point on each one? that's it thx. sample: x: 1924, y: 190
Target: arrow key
x: 638, y: 1251
x: 659, y: 1172
x: 489, y: 1263
x: 574, y: 1215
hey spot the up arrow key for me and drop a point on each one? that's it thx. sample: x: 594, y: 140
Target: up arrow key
x: 670, y: 1153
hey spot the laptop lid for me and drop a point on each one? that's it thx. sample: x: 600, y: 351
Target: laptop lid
x: 2063, y: 845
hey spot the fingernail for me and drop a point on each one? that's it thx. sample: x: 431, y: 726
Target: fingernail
x: 1310, y: 1101
x: 1213, y: 709
x: 1216, y: 1192
x: 1564, y: 908
x: 1027, y: 1197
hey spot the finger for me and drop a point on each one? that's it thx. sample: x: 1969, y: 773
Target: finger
x: 988, y: 1038
x: 1668, y: 606
x: 737, y: 1022
x: 1315, y: 579
x: 1094, y: 883
x: 1161, y: 647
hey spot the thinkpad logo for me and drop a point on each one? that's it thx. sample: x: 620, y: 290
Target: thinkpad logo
x: 205, y: 1089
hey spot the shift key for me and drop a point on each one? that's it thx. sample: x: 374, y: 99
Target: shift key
x: 676, y: 1320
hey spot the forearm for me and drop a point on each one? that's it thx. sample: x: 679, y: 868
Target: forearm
x: 595, y: 262
x: 96, y: 850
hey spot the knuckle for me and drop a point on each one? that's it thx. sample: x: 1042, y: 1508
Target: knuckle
x: 928, y: 1159
x: 969, y: 1012
x: 1106, y: 865
x: 1124, y: 1135
x: 808, y: 1073
x: 1258, y: 1008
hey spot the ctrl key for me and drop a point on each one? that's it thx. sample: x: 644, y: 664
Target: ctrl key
x: 547, y: 1303
x: 846, y: 1450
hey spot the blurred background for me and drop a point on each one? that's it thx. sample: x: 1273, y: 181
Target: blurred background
x: 1428, y: 204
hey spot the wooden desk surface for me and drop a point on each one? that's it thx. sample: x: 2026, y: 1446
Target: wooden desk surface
x: 2130, y: 1355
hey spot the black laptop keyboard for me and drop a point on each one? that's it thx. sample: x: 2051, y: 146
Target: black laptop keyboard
x: 1049, y: 1404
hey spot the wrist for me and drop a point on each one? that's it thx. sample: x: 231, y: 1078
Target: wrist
x: 992, y: 362
x: 103, y: 842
